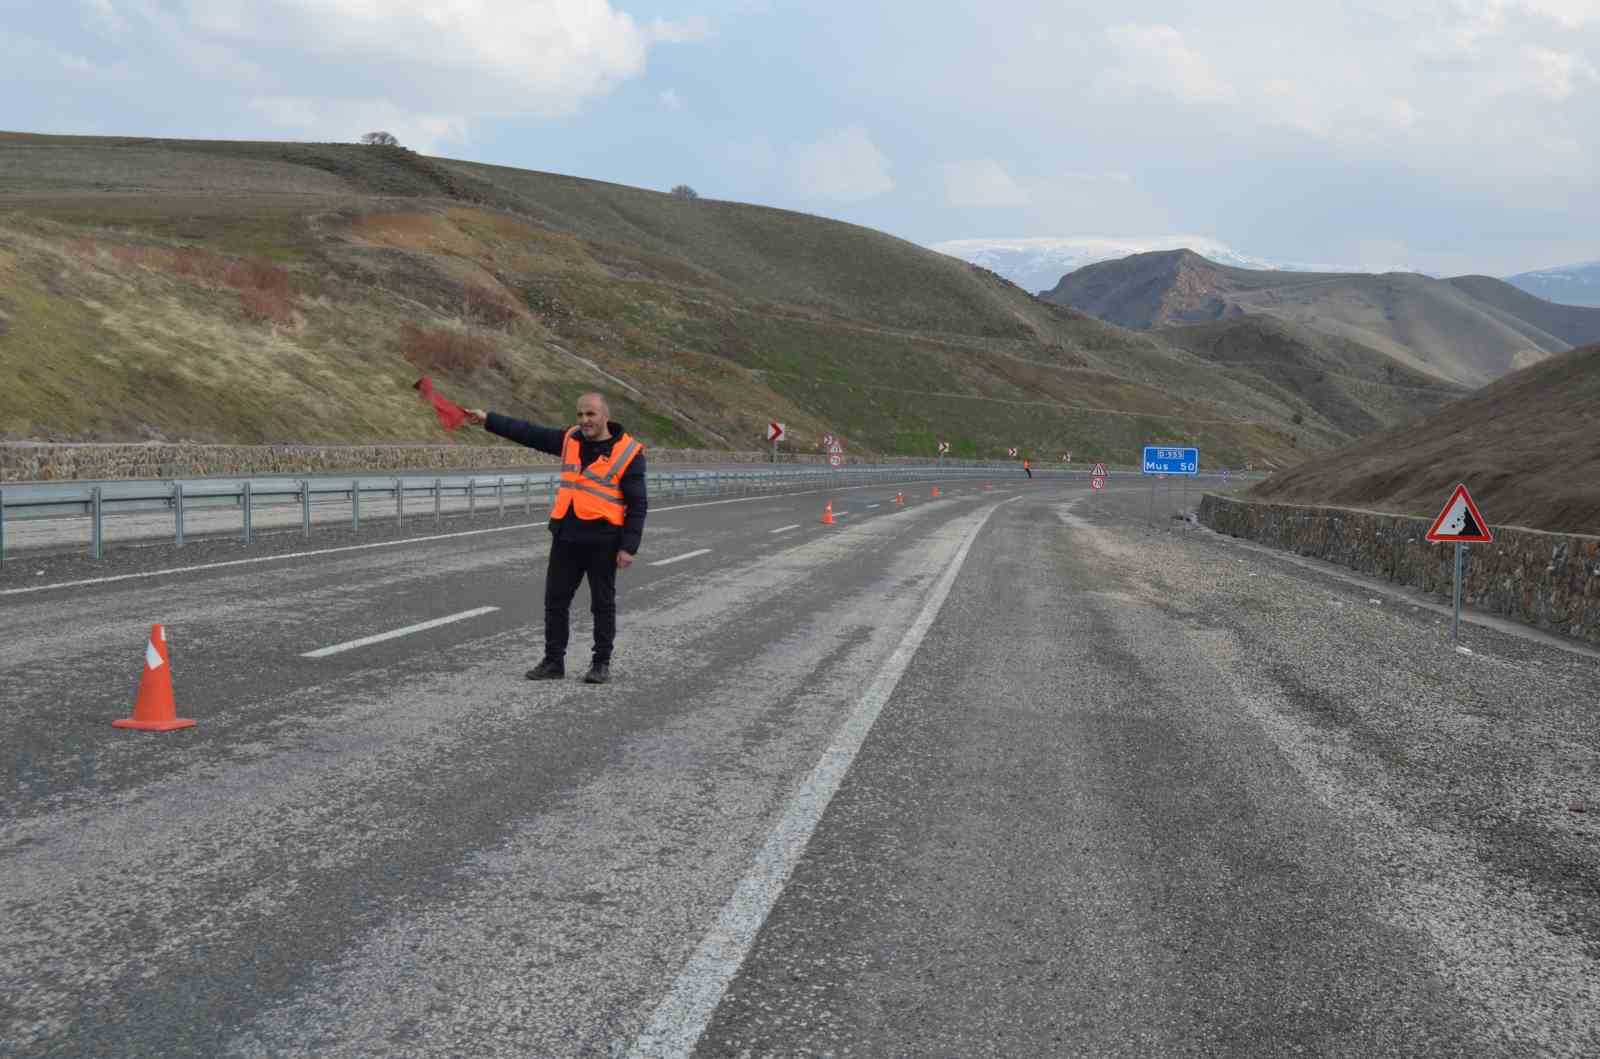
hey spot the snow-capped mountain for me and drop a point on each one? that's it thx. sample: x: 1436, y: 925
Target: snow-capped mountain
x: 1037, y: 264
x: 1565, y: 285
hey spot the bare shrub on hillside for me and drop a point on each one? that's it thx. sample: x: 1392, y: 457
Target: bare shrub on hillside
x: 380, y: 139
x: 684, y: 191
x: 265, y: 306
x: 203, y: 265
x: 448, y: 352
x: 263, y: 276
x: 487, y: 307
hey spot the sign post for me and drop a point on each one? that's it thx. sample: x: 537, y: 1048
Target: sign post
x: 775, y: 434
x: 1097, y: 477
x: 1461, y: 524
x: 944, y: 447
x: 1162, y: 460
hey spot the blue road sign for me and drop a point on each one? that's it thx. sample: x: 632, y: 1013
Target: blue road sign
x: 1159, y: 459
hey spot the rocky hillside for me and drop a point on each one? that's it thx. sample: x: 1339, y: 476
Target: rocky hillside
x: 1527, y: 446
x: 1469, y: 330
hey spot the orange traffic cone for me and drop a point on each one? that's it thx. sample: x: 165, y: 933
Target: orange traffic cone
x: 900, y: 498
x: 935, y: 492
x: 827, y: 514
x: 154, y: 710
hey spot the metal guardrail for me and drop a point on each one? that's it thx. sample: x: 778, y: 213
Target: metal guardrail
x: 247, y: 495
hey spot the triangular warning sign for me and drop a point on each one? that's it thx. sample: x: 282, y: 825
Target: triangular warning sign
x: 1460, y: 522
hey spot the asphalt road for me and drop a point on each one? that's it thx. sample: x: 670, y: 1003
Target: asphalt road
x: 1006, y: 772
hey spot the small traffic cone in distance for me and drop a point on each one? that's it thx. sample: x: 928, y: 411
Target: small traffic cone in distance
x: 827, y: 514
x: 935, y: 492
x: 900, y: 498
x: 154, y: 710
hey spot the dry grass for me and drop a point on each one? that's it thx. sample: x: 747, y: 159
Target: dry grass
x: 446, y: 351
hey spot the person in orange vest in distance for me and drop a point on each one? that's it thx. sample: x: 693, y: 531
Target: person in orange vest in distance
x: 597, y: 523
x: 1027, y: 465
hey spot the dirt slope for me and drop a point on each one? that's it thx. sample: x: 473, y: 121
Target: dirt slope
x: 1351, y: 387
x: 1528, y: 447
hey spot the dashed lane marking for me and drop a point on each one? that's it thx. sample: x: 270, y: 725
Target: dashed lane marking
x: 681, y: 558
x: 324, y: 652
x: 785, y: 529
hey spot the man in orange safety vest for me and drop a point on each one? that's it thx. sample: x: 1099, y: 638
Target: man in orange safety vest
x: 597, y: 523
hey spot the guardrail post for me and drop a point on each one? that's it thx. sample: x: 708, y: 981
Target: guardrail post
x: 438, y: 493
x: 246, y: 502
x: 399, y: 502
x: 305, y: 507
x: 94, y: 529
x: 472, y: 497
x: 500, y: 496
x: 177, y: 513
x: 355, y: 503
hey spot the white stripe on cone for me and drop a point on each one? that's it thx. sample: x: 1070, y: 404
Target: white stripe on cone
x: 152, y: 657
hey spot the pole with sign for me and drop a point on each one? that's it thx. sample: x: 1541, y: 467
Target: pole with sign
x: 1162, y: 460
x: 775, y: 434
x: 1461, y: 524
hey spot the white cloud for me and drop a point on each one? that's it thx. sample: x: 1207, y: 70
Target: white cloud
x: 1545, y: 72
x: 466, y: 58
x: 1157, y: 57
x: 981, y: 182
x: 844, y: 165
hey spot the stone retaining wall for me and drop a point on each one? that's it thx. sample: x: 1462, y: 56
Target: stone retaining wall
x: 1549, y: 580
x: 30, y: 462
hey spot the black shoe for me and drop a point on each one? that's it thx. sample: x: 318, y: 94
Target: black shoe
x: 547, y: 670
x: 599, y: 673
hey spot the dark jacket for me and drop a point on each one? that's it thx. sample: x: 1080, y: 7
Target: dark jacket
x: 572, y: 528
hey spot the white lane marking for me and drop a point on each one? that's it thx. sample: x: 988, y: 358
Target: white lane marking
x: 785, y: 529
x: 375, y: 544
x: 324, y: 652
x: 681, y: 558
x: 871, y: 506
x: 682, y: 1016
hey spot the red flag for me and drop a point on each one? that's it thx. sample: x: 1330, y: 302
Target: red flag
x: 451, y: 415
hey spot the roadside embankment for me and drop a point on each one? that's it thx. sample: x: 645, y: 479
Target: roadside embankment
x: 1548, y: 580
x: 48, y: 462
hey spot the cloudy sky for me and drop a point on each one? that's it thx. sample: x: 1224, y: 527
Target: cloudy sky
x: 1448, y: 136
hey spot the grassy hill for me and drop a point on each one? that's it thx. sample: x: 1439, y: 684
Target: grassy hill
x: 1349, y: 387
x: 275, y: 292
x: 1528, y: 446
x: 1468, y: 330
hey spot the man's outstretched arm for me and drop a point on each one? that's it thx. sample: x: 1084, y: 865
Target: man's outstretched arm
x: 545, y: 439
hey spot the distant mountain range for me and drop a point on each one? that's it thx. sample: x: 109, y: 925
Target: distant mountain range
x: 1037, y: 264
x: 1568, y: 285
x: 1468, y: 330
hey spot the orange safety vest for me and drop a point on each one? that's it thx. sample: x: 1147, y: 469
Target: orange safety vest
x: 1026, y: 465
x: 595, y: 491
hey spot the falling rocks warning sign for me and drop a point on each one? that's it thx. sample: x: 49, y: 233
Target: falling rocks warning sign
x: 1460, y: 522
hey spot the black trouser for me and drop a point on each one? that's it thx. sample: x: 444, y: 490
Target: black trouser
x: 1029, y: 470
x: 569, y: 564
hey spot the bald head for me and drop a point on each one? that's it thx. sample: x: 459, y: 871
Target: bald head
x: 593, y: 416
